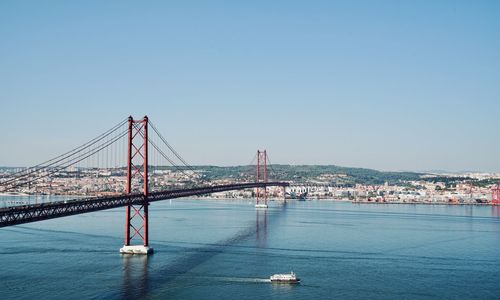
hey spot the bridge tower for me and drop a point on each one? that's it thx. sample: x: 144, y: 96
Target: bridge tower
x: 261, y: 176
x: 136, y: 214
x: 495, y: 195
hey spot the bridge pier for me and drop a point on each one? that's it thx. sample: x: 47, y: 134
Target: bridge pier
x: 138, y: 249
x: 141, y: 212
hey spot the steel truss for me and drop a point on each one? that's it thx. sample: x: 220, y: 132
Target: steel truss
x: 44, y: 211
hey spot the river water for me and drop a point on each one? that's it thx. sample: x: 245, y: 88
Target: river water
x: 218, y: 249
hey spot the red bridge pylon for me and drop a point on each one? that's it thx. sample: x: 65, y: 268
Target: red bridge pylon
x: 495, y: 195
x: 261, y: 176
x: 136, y: 215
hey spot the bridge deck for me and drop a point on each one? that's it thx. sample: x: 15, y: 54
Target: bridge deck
x: 36, y: 212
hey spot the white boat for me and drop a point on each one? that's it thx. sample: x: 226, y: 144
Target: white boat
x: 285, y: 278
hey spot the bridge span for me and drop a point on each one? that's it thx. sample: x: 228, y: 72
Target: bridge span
x: 43, y: 211
x: 137, y: 194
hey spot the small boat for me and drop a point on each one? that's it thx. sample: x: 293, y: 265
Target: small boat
x: 285, y: 278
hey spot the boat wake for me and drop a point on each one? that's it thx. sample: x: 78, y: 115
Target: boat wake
x: 239, y: 279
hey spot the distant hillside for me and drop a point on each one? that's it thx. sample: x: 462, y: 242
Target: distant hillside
x: 313, y: 173
x: 305, y: 174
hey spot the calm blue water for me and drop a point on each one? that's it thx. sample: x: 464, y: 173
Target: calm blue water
x: 208, y: 249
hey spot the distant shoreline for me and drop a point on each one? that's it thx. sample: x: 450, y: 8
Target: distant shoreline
x: 425, y: 203
x: 272, y: 200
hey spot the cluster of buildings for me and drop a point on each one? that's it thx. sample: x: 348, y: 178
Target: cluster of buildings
x: 405, y: 192
x: 412, y: 192
x: 97, y: 182
x: 421, y: 191
x: 102, y: 182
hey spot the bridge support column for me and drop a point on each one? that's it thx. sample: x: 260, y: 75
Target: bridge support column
x: 495, y: 195
x: 261, y: 176
x: 136, y: 214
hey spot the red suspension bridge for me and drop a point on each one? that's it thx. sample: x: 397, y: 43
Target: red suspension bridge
x: 139, y: 187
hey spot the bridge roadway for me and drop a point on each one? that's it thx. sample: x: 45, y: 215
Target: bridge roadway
x: 37, y: 212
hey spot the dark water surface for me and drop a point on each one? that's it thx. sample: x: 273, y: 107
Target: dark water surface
x: 208, y: 249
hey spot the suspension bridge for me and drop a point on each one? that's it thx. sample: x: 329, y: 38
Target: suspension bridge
x: 98, y: 170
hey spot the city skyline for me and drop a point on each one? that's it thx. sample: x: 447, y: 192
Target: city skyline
x: 388, y: 85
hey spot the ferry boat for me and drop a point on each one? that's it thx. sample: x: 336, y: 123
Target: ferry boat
x: 285, y: 278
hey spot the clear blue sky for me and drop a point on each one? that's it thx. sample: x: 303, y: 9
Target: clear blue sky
x: 391, y: 85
